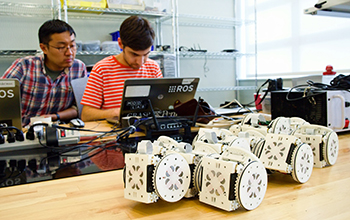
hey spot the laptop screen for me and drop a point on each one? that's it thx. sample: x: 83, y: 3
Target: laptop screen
x: 10, y: 103
x: 141, y: 95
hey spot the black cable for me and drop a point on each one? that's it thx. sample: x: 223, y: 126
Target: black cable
x: 104, y: 133
x: 309, y: 92
x: 126, y: 132
x: 258, y: 91
x: 102, y: 146
x: 81, y: 129
x: 257, y: 95
x: 338, y: 83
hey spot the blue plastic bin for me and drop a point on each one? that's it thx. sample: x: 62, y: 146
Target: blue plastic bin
x: 115, y: 36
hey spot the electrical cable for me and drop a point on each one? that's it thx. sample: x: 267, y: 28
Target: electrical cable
x: 102, y: 146
x: 241, y: 105
x: 309, y: 89
x: 125, y: 132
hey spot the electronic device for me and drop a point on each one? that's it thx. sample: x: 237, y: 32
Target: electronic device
x: 264, y: 139
x: 323, y: 141
x: 38, y: 152
x: 286, y: 154
x: 277, y: 152
x: 140, y: 96
x: 10, y: 103
x: 154, y: 127
x: 171, y: 171
x: 49, y: 136
x: 329, y: 108
x: 77, y: 123
x: 234, y: 179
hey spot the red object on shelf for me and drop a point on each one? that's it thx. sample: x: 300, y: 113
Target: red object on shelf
x: 257, y: 105
x: 329, y: 70
x: 346, y: 123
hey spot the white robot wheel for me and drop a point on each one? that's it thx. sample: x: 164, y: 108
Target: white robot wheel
x: 197, y: 176
x: 172, y: 177
x: 281, y: 125
x: 258, y: 148
x: 302, y: 163
x: 330, y: 148
x: 251, y: 185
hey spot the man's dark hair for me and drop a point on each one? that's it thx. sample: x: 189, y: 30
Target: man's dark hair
x: 136, y: 33
x: 52, y: 27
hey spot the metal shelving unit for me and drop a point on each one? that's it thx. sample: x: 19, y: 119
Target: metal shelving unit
x: 17, y: 53
x: 210, y: 21
x: 56, y: 10
x: 231, y: 88
x: 213, y: 55
x: 117, y: 11
x: 202, y: 21
x: 92, y: 53
x: 26, y: 9
x: 115, y: 14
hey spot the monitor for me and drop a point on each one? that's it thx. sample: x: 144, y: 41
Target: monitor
x: 141, y: 95
x: 10, y: 103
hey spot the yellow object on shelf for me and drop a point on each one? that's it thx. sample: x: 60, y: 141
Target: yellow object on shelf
x: 91, y: 3
x: 127, y: 4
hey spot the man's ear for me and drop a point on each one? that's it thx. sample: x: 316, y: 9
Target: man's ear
x: 120, y: 43
x: 44, y: 48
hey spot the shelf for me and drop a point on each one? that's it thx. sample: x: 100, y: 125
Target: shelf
x: 16, y: 53
x: 194, y: 55
x: 79, y: 53
x: 39, y: 10
x: 209, y: 21
x: 213, y: 55
x: 232, y: 88
x: 92, y: 53
x: 115, y: 11
x: 25, y: 9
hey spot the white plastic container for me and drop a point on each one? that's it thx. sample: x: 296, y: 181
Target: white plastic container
x: 158, y: 5
x: 91, y: 45
x: 110, y: 46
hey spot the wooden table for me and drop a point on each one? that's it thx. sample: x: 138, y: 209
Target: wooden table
x: 101, y: 196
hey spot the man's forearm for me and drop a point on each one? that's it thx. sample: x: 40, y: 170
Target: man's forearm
x: 64, y: 115
x: 90, y: 113
x: 68, y: 114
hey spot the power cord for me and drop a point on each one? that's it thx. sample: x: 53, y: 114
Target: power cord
x: 273, y: 85
x: 340, y: 82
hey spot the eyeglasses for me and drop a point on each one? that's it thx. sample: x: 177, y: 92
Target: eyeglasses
x: 72, y: 47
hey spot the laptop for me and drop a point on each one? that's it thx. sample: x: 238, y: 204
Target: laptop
x: 10, y: 103
x: 142, y: 95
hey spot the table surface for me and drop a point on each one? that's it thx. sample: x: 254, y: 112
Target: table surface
x: 101, y: 196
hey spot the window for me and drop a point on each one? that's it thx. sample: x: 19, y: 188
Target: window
x: 291, y: 43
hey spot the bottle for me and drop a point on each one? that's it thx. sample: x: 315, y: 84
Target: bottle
x: 328, y: 75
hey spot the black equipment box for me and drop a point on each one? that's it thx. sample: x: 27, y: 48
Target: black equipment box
x: 330, y: 108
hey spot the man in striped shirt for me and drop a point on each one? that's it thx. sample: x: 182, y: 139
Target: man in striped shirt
x: 45, y: 78
x: 103, y: 93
